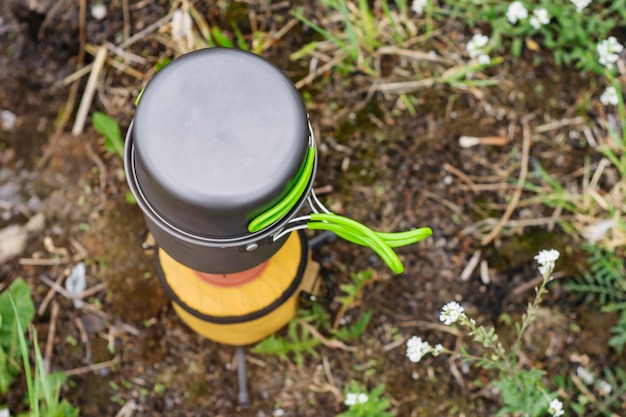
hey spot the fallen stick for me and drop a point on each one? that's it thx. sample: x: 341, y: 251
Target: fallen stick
x: 518, y: 190
x: 93, y: 367
x: 51, y: 333
x: 90, y: 89
x: 469, y: 141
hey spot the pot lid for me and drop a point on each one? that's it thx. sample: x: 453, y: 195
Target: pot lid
x: 219, y: 135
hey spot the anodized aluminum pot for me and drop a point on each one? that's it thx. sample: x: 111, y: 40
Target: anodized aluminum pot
x: 217, y: 138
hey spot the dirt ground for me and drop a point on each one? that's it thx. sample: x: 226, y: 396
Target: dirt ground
x: 126, y: 351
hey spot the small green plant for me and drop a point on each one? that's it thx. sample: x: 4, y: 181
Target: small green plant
x: 560, y: 26
x: 605, y: 283
x: 16, y: 313
x: 362, y: 403
x: 601, y: 393
x: 521, y: 387
x: 298, y: 341
x: 9, y: 328
x: 110, y: 130
x: 361, y: 30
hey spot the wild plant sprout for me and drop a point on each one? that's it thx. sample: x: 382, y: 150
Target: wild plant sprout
x: 539, y: 18
x: 521, y: 387
x: 581, y: 4
x: 516, y: 12
x: 609, y: 97
x: 476, y: 46
x: 361, y: 402
x: 556, y: 408
x: 609, y: 50
x: 353, y: 398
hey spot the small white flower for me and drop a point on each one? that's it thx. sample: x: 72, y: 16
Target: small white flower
x: 609, y: 50
x: 451, y: 312
x: 437, y: 350
x: 476, y: 44
x: 99, y: 11
x: 605, y: 388
x: 581, y: 4
x: 484, y: 59
x: 609, y: 97
x: 546, y: 260
x: 416, y: 348
x: 279, y: 412
x: 540, y: 17
x: 419, y: 5
x: 516, y: 11
x: 5, y: 412
x: 584, y: 375
x: 351, y: 399
x: 556, y: 408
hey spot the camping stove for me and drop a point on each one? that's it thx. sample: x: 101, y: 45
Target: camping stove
x: 221, y: 159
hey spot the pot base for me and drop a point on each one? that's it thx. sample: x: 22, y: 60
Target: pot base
x: 250, y: 310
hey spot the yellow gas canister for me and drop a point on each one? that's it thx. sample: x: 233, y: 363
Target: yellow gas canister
x: 242, y: 308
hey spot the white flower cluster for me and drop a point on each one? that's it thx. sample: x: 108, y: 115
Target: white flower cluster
x: 475, y: 48
x: 451, y: 312
x: 517, y: 12
x: 546, y: 260
x: 353, y: 398
x: 581, y: 4
x: 609, y: 97
x: 556, y: 408
x: 540, y: 17
x: 588, y: 378
x: 609, y: 50
x: 416, y: 349
x: 419, y: 5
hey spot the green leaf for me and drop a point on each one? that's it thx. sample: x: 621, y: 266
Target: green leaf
x: 25, y: 311
x: 108, y: 127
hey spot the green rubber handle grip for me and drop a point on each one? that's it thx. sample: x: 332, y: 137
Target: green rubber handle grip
x: 382, y: 243
x: 283, y: 207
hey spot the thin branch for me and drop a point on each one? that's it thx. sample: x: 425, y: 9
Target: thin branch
x: 518, y: 190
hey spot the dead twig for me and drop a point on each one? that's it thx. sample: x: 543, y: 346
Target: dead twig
x: 333, y: 344
x: 51, y: 333
x: 90, y: 89
x: 148, y: 29
x: 518, y: 190
x: 579, y: 384
x: 326, y: 67
x: 86, y: 293
x: 43, y: 262
x: 394, y: 344
x: 462, y: 176
x: 471, y: 265
x: 126, y: 17
x: 127, y: 409
x: 84, y: 338
x: 92, y: 368
x: 49, y: 297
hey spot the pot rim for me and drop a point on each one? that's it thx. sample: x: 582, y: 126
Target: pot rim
x: 197, y: 239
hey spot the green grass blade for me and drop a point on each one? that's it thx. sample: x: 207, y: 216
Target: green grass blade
x: 32, y: 387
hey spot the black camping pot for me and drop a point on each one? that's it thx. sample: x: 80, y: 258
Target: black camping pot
x: 219, y: 136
